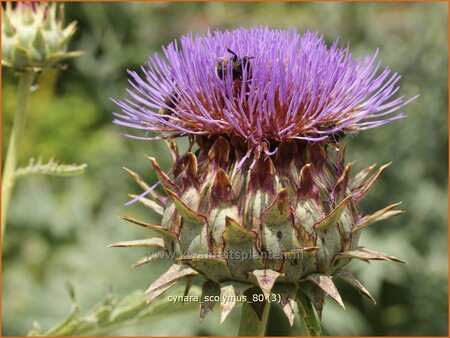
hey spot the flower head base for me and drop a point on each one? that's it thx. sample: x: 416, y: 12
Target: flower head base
x: 33, y: 36
x: 276, y: 86
x: 266, y: 201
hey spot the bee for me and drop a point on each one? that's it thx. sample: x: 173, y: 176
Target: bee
x: 335, y: 137
x: 170, y: 102
x: 238, y: 64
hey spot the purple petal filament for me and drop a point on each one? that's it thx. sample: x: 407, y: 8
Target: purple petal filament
x: 296, y: 86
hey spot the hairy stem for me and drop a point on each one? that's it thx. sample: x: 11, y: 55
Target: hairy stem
x: 310, y: 325
x: 23, y: 94
x: 251, y: 324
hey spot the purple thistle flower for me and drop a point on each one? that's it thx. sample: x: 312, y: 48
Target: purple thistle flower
x: 292, y: 219
x: 291, y: 87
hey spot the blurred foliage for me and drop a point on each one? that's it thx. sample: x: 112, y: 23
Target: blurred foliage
x: 111, y: 314
x: 59, y: 229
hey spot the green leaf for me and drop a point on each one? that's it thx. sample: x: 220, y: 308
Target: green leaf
x: 240, y: 249
x: 194, y: 232
x: 209, y: 290
x: 52, y: 168
x: 168, y: 279
x: 153, y: 242
x: 129, y: 306
x: 230, y: 293
x: 287, y: 294
x: 310, y: 323
x: 350, y: 279
x: 279, y: 232
x: 367, y: 254
x: 266, y: 279
x: 110, y: 314
x: 327, y: 285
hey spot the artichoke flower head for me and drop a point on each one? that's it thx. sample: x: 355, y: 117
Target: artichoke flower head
x: 34, y: 36
x: 263, y: 199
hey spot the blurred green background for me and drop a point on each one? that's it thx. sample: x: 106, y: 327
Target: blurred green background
x: 59, y: 229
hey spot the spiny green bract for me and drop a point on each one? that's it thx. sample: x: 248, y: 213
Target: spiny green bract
x: 287, y: 226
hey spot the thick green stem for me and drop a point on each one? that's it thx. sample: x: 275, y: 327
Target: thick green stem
x: 23, y: 94
x: 310, y: 325
x: 250, y: 324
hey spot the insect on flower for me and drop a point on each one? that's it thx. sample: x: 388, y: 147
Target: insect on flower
x: 238, y: 64
x: 170, y: 102
x: 336, y: 136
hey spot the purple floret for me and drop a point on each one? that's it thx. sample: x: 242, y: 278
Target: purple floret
x: 294, y: 87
